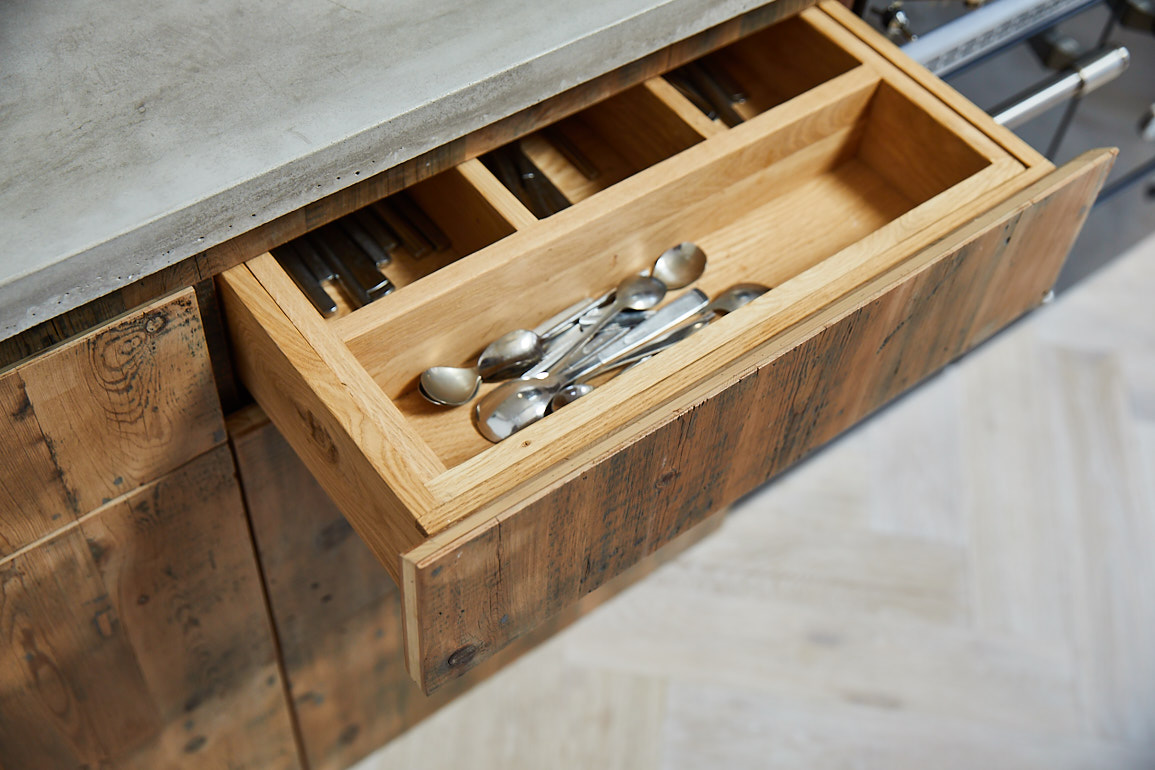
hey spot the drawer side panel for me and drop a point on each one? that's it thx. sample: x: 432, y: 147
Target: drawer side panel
x: 472, y: 589
x: 315, y: 409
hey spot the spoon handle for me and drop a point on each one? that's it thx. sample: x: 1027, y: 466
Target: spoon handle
x: 576, y: 353
x: 558, y: 323
x: 662, y: 321
x: 646, y: 351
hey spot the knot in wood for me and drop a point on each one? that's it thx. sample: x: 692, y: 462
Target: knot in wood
x: 463, y: 656
x: 155, y: 323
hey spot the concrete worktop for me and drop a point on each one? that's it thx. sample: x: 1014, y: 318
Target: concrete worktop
x: 134, y: 135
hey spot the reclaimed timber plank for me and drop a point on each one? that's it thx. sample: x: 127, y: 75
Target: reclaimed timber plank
x: 99, y: 416
x: 138, y: 636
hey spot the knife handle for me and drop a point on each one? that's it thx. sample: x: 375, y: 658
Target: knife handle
x: 309, y: 284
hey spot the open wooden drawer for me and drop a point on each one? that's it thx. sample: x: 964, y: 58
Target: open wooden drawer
x: 897, y: 224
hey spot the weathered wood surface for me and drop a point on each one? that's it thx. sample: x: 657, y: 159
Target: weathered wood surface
x: 473, y: 588
x: 99, y: 416
x: 138, y: 637
x: 335, y: 608
x: 338, y: 614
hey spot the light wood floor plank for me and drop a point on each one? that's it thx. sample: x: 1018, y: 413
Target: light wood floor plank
x: 1018, y: 546
x: 916, y: 464
x: 836, y: 656
x: 710, y: 727
x: 1103, y: 491
x: 539, y: 713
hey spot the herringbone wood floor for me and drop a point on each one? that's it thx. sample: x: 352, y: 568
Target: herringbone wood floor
x: 966, y: 581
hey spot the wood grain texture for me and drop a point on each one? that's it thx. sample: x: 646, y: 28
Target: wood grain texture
x: 72, y: 692
x: 1006, y: 138
x: 338, y: 614
x: 620, y: 136
x: 333, y: 604
x: 321, y: 412
x: 138, y: 638
x: 471, y: 589
x: 100, y: 415
x: 779, y: 220
x: 623, y: 227
x: 779, y: 63
x: 690, y: 197
x: 503, y: 202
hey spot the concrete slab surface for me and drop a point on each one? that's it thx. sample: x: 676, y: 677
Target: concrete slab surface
x: 136, y: 134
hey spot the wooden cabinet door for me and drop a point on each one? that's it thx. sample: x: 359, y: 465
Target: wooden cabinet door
x: 137, y: 637
x: 100, y: 415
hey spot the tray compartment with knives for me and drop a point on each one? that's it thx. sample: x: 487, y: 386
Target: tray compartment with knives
x: 761, y: 71
x: 811, y: 196
x: 389, y: 244
x: 592, y: 150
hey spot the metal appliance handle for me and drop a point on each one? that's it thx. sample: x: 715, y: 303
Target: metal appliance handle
x: 1088, y: 73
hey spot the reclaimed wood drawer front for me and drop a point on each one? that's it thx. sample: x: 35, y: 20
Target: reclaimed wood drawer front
x: 897, y: 224
x: 338, y: 615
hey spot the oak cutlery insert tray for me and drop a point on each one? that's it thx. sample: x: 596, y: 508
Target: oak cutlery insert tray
x: 767, y: 202
x: 844, y: 167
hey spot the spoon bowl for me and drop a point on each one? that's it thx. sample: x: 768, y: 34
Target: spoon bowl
x: 637, y: 292
x: 510, y: 355
x: 517, y: 404
x: 569, y: 394
x: 736, y: 296
x: 726, y: 302
x: 680, y: 265
x: 449, y: 385
x: 507, y: 356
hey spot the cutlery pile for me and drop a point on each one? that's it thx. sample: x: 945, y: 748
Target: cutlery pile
x: 556, y: 363
x: 525, y: 180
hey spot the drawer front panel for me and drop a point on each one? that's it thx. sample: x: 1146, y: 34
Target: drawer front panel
x: 338, y: 616
x: 95, y: 418
x: 472, y: 589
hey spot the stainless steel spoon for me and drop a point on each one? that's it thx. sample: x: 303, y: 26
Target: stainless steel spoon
x: 726, y: 302
x: 677, y: 267
x: 511, y: 355
x: 520, y: 351
x: 507, y: 356
x: 515, y: 405
x: 637, y: 292
x: 584, y: 387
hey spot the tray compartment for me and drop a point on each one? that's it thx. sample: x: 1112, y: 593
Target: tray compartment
x: 808, y: 184
x: 454, y: 203
x: 615, y: 139
x: 779, y: 63
x: 887, y: 260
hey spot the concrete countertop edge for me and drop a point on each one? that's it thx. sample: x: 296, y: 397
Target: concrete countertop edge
x: 75, y: 279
